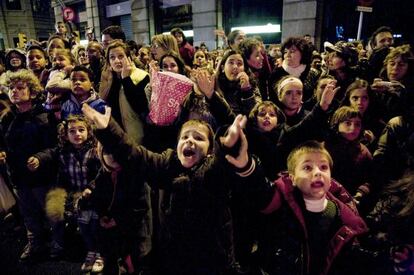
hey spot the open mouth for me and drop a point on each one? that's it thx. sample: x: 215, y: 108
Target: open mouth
x: 317, y: 184
x: 188, y: 152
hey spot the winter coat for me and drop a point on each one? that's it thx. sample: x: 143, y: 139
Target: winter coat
x: 273, y: 147
x: 127, y: 99
x: 24, y: 135
x: 187, y: 53
x: 197, y: 232
x: 240, y: 100
x: 285, y: 249
x: 73, y: 107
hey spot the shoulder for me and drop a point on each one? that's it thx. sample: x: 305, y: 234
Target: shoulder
x: 138, y: 75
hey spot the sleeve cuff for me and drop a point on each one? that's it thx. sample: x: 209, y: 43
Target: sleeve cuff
x: 248, y: 169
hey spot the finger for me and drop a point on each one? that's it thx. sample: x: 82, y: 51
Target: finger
x: 244, y: 143
x: 243, y: 122
x: 107, y: 111
x: 231, y: 160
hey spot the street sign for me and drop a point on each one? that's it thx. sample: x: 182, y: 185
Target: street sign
x: 364, y: 9
x: 68, y: 14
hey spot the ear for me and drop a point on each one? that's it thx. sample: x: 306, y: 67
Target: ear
x: 292, y: 178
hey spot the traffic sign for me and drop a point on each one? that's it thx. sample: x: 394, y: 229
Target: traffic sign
x: 68, y: 14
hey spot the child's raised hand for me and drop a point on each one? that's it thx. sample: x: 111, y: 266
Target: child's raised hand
x: 242, y: 158
x: 126, y: 67
x: 234, y: 131
x: 3, y: 157
x: 101, y: 121
x: 205, y: 82
x: 33, y: 163
x: 328, y: 94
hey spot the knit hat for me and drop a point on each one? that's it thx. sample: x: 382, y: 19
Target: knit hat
x: 345, y: 50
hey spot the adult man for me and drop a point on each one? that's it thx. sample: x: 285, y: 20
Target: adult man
x: 112, y: 33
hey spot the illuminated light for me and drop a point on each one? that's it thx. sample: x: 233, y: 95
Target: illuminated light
x: 397, y: 35
x: 268, y: 28
x: 188, y: 33
x: 84, y: 42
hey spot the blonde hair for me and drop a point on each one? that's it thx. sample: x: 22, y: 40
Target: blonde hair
x: 167, y: 41
x: 29, y: 78
x: 75, y: 52
x: 307, y: 147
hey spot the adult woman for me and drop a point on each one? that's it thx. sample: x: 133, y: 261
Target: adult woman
x: 124, y: 91
x: 232, y: 81
x: 296, y: 62
x: 56, y: 42
x: 396, y: 82
x: 161, y: 44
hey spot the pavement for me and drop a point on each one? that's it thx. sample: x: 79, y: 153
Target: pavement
x: 12, y: 242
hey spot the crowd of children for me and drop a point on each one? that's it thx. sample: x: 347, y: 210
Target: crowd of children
x: 244, y: 160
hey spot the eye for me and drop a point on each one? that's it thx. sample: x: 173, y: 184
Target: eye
x: 199, y: 138
x: 272, y: 114
x: 324, y: 167
x: 307, y: 167
x: 348, y: 123
x: 72, y: 131
x: 261, y: 114
x: 184, y: 137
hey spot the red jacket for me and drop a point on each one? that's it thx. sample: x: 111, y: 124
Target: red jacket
x: 352, y: 223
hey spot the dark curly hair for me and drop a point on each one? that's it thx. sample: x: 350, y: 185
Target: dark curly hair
x: 302, y: 45
x: 63, y: 131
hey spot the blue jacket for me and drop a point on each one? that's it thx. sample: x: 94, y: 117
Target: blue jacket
x: 73, y: 107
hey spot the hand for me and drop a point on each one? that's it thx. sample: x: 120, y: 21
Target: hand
x: 234, y: 131
x: 244, y: 80
x: 205, y: 82
x: 358, y: 197
x: 243, y: 158
x: 86, y: 193
x: 33, y: 163
x: 369, y: 136
x: 106, y: 222
x: 328, y: 94
x: 101, y: 121
x: 379, y: 85
x: 153, y: 67
x: 3, y: 157
x: 126, y: 67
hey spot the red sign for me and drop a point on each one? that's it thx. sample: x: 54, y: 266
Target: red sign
x: 68, y: 14
x: 365, y: 3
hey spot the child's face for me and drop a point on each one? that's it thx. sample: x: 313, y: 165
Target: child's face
x: 312, y: 175
x: 266, y: 118
x: 82, y: 58
x: 19, y: 92
x: 256, y: 58
x: 15, y: 60
x: 350, y: 128
x: 55, y: 44
x: 199, y: 58
x: 36, y: 60
x: 61, y: 28
x: 117, y: 58
x: 81, y: 84
x: 61, y: 61
x: 169, y: 65
x: 77, y: 133
x: 291, y: 96
x: 233, y: 66
x: 359, y: 100
x: 193, y: 144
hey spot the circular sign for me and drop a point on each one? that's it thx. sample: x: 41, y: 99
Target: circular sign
x: 68, y: 14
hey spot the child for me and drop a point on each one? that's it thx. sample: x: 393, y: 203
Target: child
x: 197, y: 234
x: 27, y: 129
x: 310, y: 227
x: 58, y: 86
x: 359, y: 96
x: 200, y: 60
x: 352, y: 159
x: 290, y: 94
x: 271, y: 139
x: 82, y: 92
x: 78, y: 164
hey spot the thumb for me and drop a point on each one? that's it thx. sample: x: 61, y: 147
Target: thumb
x: 231, y: 160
